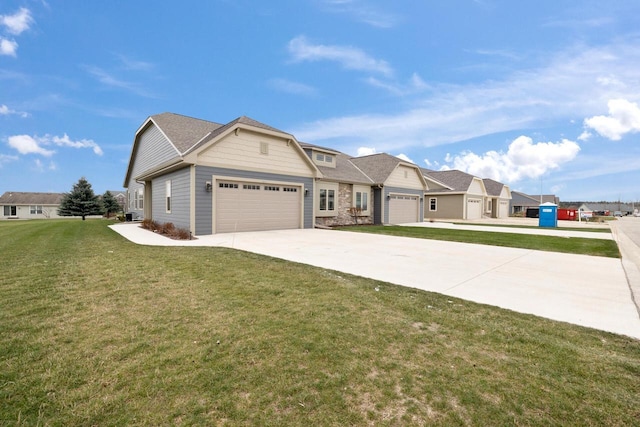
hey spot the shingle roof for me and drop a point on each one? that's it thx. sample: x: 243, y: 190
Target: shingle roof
x: 22, y: 198
x: 494, y: 188
x: 183, y: 131
x: 345, y: 171
x: 377, y: 166
x: 457, y: 180
x: 222, y: 128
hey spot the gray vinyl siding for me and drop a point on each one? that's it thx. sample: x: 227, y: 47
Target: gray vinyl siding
x: 204, y: 215
x: 180, y: 200
x: 389, y: 190
x: 152, y: 149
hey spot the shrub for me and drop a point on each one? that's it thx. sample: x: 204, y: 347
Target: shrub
x: 167, y: 229
x: 181, y: 234
x: 148, y: 224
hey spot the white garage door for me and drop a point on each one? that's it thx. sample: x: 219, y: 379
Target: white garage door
x: 503, y: 212
x: 474, y: 208
x: 246, y: 206
x: 403, y: 209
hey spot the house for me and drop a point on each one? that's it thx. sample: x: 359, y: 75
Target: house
x: 398, y: 188
x: 247, y: 176
x: 454, y: 194
x: 497, y: 199
x: 608, y: 208
x: 520, y: 202
x: 344, y: 191
x: 21, y: 205
x: 121, y: 198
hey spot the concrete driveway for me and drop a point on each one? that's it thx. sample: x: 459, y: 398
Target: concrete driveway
x: 583, y: 290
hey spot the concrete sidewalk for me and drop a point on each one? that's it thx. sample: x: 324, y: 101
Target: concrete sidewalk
x: 583, y: 290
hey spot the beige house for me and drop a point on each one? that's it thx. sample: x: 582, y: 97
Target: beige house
x: 497, y: 199
x: 245, y: 175
x: 454, y: 194
x: 21, y: 205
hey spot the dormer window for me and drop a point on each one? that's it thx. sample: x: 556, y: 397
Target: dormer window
x: 324, y: 159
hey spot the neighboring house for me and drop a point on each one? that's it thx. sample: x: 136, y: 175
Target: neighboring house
x: 244, y: 176
x: 520, y: 202
x: 454, y: 194
x: 20, y: 205
x: 497, y: 199
x: 121, y: 197
x: 398, y: 188
x: 608, y: 208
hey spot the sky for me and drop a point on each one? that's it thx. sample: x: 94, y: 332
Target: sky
x: 540, y: 95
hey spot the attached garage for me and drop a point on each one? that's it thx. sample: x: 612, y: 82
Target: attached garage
x: 474, y: 208
x: 403, y: 209
x: 252, y: 206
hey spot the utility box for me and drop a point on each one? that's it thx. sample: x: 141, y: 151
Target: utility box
x: 548, y: 215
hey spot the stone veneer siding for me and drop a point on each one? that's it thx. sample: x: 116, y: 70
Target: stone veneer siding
x: 345, y: 202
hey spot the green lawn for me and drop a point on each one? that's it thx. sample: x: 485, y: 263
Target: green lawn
x: 603, y: 229
x: 95, y: 330
x: 574, y: 245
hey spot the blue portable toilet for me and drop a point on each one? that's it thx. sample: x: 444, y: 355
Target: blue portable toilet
x: 548, y: 215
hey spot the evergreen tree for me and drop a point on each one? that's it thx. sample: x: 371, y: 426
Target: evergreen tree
x: 110, y: 204
x: 81, y: 201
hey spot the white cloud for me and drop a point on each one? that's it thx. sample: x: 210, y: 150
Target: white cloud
x: 571, y: 84
x: 623, y: 118
x: 405, y: 158
x: 5, y: 158
x: 415, y: 85
x: 26, y: 144
x: 65, y: 141
x: 6, y: 111
x: 8, y: 47
x: 585, y: 135
x: 109, y: 80
x: 349, y: 57
x: 18, y: 22
x: 363, y: 12
x: 523, y: 159
x: 41, y: 167
x: 365, y: 151
x: 294, y: 88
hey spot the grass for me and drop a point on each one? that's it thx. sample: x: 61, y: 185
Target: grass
x: 95, y: 330
x: 574, y: 245
x: 585, y: 229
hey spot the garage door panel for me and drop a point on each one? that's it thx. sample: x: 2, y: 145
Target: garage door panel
x: 474, y: 208
x: 403, y: 209
x: 254, y: 207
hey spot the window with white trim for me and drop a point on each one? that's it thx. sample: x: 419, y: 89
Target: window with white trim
x: 35, y: 210
x: 433, y: 204
x: 327, y: 199
x: 168, y: 195
x: 324, y: 159
x: 138, y: 196
x: 362, y: 198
